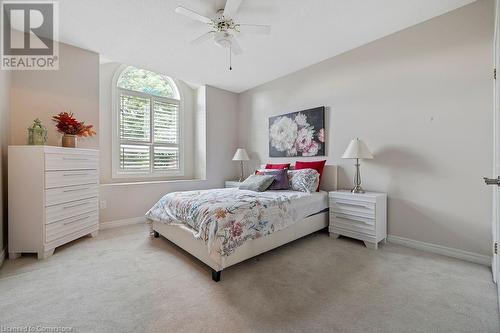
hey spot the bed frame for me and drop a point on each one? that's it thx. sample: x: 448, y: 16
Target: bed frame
x: 183, y: 236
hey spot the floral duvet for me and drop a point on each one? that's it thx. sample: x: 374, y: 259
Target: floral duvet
x: 226, y: 218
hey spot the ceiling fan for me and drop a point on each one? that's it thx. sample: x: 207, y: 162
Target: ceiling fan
x: 223, y: 29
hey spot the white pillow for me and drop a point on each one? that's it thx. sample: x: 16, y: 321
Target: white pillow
x: 303, y: 180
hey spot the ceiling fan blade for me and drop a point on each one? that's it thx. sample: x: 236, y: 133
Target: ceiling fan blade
x: 235, y: 47
x: 254, y: 29
x: 231, y: 8
x: 202, y: 38
x: 192, y: 14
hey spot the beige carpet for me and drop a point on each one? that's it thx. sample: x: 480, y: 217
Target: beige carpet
x: 123, y: 281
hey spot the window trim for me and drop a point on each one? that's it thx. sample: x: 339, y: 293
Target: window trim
x: 116, y: 173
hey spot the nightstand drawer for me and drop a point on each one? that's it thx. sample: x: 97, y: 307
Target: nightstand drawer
x: 354, y: 234
x: 354, y: 218
x: 355, y: 207
x: 232, y: 184
x: 353, y: 211
x: 352, y: 225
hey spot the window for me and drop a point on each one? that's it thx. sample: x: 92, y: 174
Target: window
x: 147, y: 125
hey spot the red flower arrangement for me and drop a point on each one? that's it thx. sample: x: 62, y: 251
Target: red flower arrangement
x: 67, y: 124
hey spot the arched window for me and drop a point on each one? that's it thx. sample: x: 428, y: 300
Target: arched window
x: 147, y: 140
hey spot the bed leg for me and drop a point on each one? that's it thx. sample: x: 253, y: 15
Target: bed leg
x: 216, y: 275
x: 156, y: 234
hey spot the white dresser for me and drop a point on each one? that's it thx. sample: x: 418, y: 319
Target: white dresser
x: 53, y: 197
x: 360, y: 216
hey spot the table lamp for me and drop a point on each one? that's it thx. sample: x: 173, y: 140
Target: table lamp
x: 241, y: 155
x: 357, y: 149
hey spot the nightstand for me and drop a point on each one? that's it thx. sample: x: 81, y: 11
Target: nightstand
x: 232, y: 183
x: 360, y: 216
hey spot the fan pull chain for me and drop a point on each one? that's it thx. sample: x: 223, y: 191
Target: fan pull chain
x: 230, y: 58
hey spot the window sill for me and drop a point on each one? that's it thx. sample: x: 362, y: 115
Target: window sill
x: 153, y: 182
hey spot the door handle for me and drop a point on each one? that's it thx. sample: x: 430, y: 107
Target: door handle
x: 492, y: 181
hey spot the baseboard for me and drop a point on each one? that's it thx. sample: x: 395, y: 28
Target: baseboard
x: 2, y: 257
x: 121, y: 223
x: 439, y: 249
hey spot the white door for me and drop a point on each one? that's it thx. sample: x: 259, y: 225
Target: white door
x: 496, y: 157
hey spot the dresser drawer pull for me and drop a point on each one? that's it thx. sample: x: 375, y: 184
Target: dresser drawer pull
x: 354, y: 204
x: 76, y: 205
x: 77, y: 189
x: 77, y: 220
x: 74, y: 174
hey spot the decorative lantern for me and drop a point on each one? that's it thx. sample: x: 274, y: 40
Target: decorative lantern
x: 37, y: 134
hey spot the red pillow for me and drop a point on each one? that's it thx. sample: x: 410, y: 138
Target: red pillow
x: 278, y: 166
x: 317, y: 165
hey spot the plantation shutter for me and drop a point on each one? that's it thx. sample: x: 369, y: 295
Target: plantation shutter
x: 134, y: 126
x: 134, y: 157
x: 134, y: 118
x: 166, y: 122
x: 166, y: 158
x: 149, y: 134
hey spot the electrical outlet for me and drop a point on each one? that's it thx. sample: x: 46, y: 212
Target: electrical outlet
x: 103, y: 204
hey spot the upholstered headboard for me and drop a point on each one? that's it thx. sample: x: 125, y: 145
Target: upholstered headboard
x: 329, y: 179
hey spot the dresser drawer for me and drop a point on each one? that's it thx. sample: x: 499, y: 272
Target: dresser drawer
x: 70, y: 209
x: 70, y: 225
x: 59, y: 195
x: 70, y: 162
x: 346, y: 224
x: 70, y: 178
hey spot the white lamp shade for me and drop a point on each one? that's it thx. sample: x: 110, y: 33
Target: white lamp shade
x: 241, y: 155
x: 357, y: 149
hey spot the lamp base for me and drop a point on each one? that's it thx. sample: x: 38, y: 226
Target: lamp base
x: 357, y: 180
x: 241, y: 172
x: 357, y: 189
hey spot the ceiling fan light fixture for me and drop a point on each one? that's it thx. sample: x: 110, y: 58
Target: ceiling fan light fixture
x: 223, y: 29
x: 224, y: 43
x: 222, y: 39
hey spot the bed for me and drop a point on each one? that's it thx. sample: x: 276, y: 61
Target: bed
x: 222, y: 227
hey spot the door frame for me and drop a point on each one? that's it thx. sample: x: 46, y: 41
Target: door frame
x: 496, y: 153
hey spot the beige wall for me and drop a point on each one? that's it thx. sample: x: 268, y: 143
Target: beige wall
x: 5, y: 78
x: 422, y: 101
x: 130, y: 200
x: 42, y: 94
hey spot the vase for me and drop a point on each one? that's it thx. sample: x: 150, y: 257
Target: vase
x: 69, y: 141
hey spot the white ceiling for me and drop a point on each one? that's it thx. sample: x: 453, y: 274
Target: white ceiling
x: 148, y: 34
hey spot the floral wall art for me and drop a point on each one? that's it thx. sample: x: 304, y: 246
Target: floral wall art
x: 298, y: 134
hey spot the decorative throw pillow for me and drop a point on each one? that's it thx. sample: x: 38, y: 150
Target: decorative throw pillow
x: 278, y: 166
x: 303, y: 180
x: 316, y: 165
x: 280, y: 178
x: 257, y: 183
